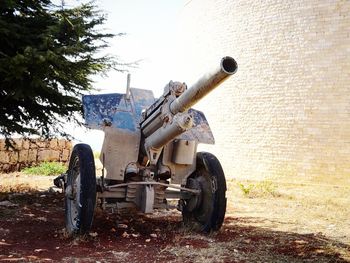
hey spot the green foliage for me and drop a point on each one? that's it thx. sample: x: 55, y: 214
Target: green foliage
x: 48, y: 54
x: 46, y: 168
x: 246, y: 189
x: 259, y: 189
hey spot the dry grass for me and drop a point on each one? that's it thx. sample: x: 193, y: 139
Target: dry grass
x: 20, y: 182
x: 215, y: 252
x: 303, y: 205
x: 264, y: 188
x: 306, y: 220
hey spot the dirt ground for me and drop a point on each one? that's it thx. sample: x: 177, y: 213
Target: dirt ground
x: 296, y: 221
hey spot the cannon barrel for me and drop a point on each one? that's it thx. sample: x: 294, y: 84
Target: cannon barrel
x: 204, y: 85
x: 158, y: 132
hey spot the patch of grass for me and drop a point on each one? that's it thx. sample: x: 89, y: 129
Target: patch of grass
x: 259, y: 189
x: 46, y: 168
x: 246, y: 189
x: 97, y: 154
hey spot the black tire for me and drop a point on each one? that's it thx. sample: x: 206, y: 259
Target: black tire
x: 80, y: 195
x: 208, y: 213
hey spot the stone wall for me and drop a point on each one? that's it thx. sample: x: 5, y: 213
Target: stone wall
x: 31, y: 152
x: 287, y: 110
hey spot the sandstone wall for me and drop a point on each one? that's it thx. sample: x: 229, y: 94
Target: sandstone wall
x: 287, y: 110
x: 31, y: 152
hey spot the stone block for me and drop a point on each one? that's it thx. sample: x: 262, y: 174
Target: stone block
x: 4, y: 157
x: 17, y: 143
x: 41, y: 143
x: 48, y: 155
x: 43, y: 155
x: 33, y: 144
x: 13, y: 157
x: 54, y: 155
x: 23, y: 156
x: 25, y: 144
x: 53, y: 144
x: 2, y: 144
x: 65, y: 155
x: 61, y: 143
x: 32, y: 155
x: 69, y: 145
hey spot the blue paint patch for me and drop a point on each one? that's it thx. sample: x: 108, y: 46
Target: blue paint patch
x: 115, y: 110
x: 100, y: 108
x: 125, y: 121
x: 142, y: 100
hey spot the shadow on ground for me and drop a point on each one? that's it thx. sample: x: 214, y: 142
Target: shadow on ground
x: 32, y: 229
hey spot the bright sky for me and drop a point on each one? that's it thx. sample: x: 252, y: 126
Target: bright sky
x: 150, y: 28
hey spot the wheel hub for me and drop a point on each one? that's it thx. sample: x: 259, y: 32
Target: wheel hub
x: 69, y: 192
x: 195, y: 201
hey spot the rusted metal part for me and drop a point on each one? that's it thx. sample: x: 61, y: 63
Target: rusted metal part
x: 194, y: 191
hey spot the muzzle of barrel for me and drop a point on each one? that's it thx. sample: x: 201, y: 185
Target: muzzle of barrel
x: 228, y: 66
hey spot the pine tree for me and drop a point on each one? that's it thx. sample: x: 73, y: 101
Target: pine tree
x: 48, y: 54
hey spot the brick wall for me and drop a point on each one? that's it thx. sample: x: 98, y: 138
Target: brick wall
x: 287, y: 110
x: 31, y: 152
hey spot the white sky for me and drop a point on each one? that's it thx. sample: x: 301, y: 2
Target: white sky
x: 150, y: 27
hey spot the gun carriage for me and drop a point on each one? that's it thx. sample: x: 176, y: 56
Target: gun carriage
x: 150, y: 155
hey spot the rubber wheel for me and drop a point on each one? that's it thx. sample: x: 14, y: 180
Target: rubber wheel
x: 80, y: 190
x: 209, y: 211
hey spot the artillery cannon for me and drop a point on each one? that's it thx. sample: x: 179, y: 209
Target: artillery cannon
x: 150, y: 156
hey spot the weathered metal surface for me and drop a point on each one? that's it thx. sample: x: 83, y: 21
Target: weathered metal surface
x: 147, y: 199
x: 119, y: 118
x: 116, y: 110
x: 154, y: 183
x: 119, y: 148
x: 183, y: 151
x: 163, y: 135
x: 142, y: 100
x: 227, y: 67
x: 179, y: 173
x: 150, y: 146
x: 201, y: 131
x: 99, y: 109
x: 161, y: 123
x: 135, y: 117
